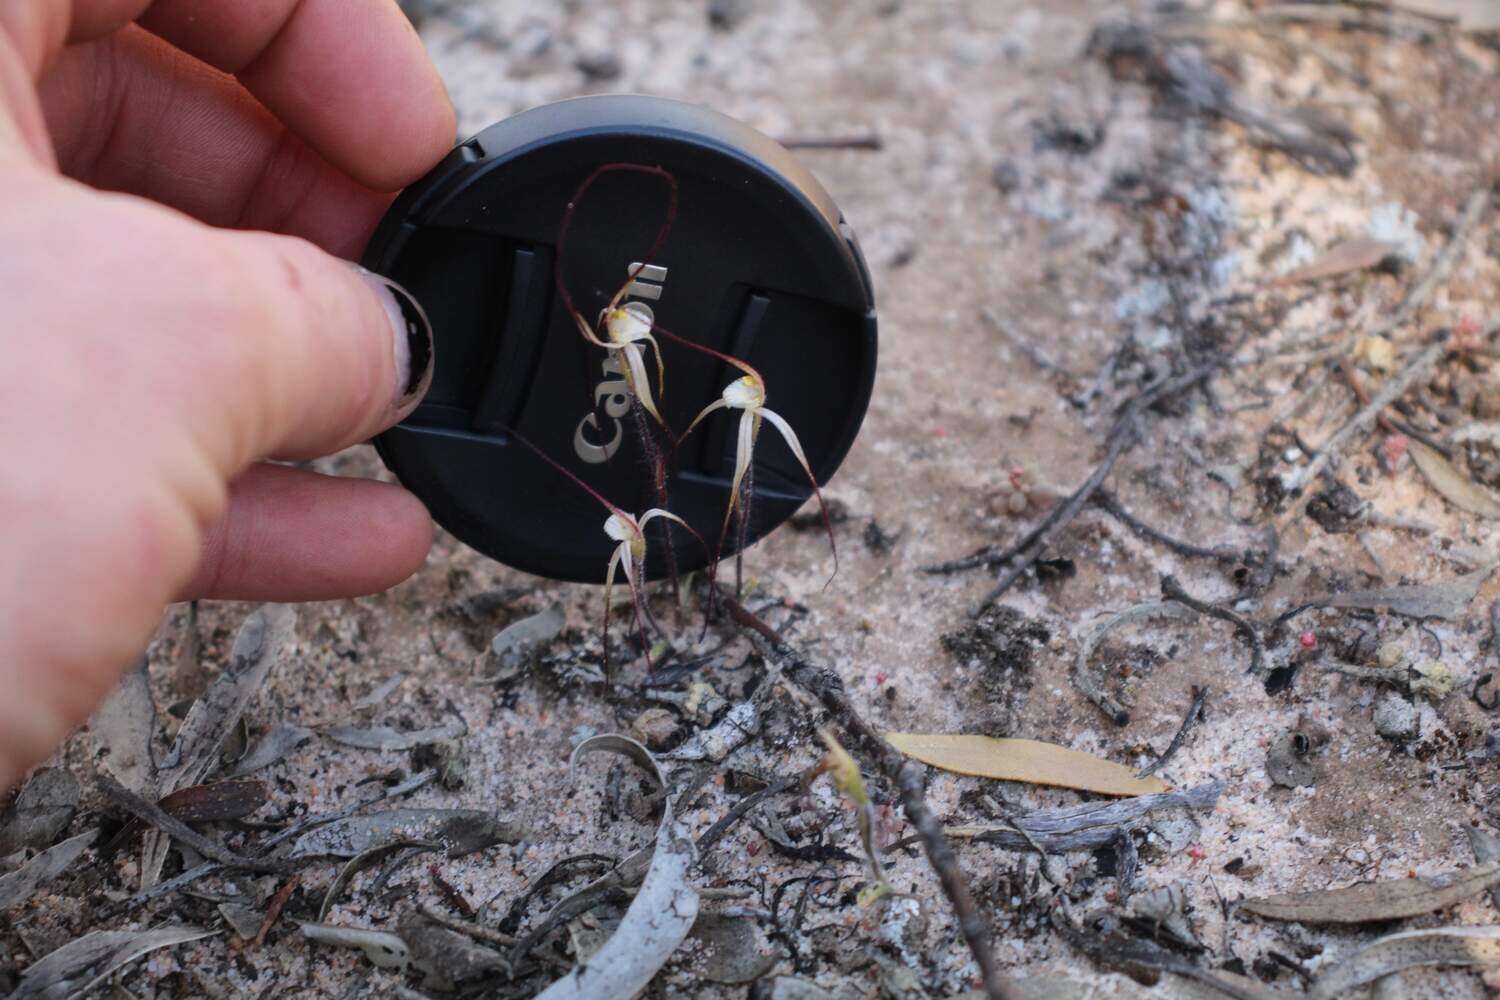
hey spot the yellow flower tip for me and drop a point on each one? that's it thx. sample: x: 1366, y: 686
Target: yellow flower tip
x: 627, y: 324
x: 745, y: 393
x: 843, y: 770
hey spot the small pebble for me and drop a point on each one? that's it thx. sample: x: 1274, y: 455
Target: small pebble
x: 1396, y: 718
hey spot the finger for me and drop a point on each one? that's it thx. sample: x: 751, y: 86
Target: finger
x: 352, y: 79
x: 131, y: 113
x: 293, y: 535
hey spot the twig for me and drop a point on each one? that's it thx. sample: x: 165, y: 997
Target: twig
x: 273, y: 911
x: 869, y: 140
x: 828, y: 689
x: 1121, y: 437
x: 712, y: 835
x: 1359, y: 424
x: 1026, y: 347
x: 1194, y: 713
x: 1172, y: 591
x: 488, y: 935
x: 153, y: 815
x: 1111, y: 506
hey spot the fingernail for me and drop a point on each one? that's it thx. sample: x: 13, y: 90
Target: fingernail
x: 412, y: 334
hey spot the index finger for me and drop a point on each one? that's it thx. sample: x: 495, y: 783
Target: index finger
x: 352, y: 79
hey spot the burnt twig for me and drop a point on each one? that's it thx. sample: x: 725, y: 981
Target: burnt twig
x: 828, y: 689
x: 1111, y: 505
x: 1194, y: 713
x: 1172, y: 591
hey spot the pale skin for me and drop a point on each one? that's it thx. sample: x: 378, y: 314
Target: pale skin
x: 178, y: 182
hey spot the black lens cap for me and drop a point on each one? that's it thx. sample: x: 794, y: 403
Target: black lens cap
x: 758, y: 264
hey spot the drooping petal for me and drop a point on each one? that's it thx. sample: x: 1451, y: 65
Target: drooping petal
x: 744, y: 451
x: 790, y: 437
x: 636, y: 376
x: 717, y: 404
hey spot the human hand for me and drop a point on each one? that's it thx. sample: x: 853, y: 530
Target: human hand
x: 157, y: 352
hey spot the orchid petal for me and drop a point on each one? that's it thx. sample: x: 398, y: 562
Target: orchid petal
x: 717, y: 404
x: 639, y: 384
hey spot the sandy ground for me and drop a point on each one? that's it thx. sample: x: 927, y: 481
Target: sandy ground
x: 1115, y: 223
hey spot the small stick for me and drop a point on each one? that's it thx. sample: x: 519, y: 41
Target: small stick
x: 1194, y: 713
x: 273, y: 911
x: 1172, y: 591
x: 1121, y: 437
x: 713, y: 834
x: 1111, y: 505
x: 153, y: 815
x: 828, y: 689
x: 868, y: 140
x: 1359, y: 424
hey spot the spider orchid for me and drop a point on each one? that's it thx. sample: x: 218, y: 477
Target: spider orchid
x: 748, y: 395
x: 629, y: 555
x: 626, y: 328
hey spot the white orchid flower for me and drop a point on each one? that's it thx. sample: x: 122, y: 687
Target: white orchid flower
x: 748, y: 395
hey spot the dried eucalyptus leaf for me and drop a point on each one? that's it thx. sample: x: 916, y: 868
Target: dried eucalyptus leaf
x: 382, y: 948
x: 270, y: 748
x: 1459, y: 489
x: 243, y: 919
x: 262, y: 642
x: 1409, y: 949
x: 122, y: 727
x: 462, y: 830
x: 1430, y: 600
x: 78, y: 965
x: 516, y: 644
x: 385, y: 738
x: 447, y: 958
x: 41, y: 811
x: 18, y: 886
x: 1023, y: 760
x: 1358, y: 254
x: 735, y: 949
x: 381, y: 693
x: 660, y: 916
x: 1372, y: 901
x: 715, y: 743
x: 216, y: 801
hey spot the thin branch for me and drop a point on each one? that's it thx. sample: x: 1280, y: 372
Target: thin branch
x: 1194, y: 713
x: 712, y: 835
x: 828, y: 689
x: 1172, y: 591
x: 1111, y: 505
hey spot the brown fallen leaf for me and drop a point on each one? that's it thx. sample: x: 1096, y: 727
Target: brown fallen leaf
x: 1023, y: 760
x: 1459, y: 489
x: 216, y: 801
x: 1358, y: 254
x: 1372, y: 901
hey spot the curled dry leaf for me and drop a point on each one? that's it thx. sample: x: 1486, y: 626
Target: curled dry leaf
x: 1088, y: 681
x: 1366, y: 902
x: 385, y: 738
x: 660, y: 916
x: 18, y: 886
x: 1459, y: 489
x: 1407, y: 950
x: 382, y: 948
x: 1358, y: 254
x: 77, y: 966
x: 1031, y: 761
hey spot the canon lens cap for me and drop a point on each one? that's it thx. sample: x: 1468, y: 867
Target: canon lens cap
x: 758, y: 264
